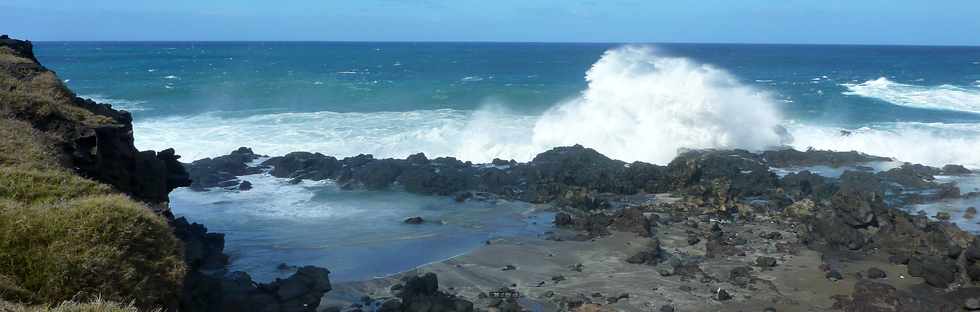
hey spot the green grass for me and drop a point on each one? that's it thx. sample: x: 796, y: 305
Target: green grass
x: 24, y: 146
x: 97, y: 245
x: 30, y: 92
x: 64, y: 238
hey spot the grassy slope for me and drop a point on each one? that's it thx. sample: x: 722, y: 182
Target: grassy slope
x: 64, y: 237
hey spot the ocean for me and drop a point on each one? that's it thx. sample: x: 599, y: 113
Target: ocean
x: 479, y: 101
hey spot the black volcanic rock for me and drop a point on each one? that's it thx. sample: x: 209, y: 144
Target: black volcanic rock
x: 955, y: 170
x: 720, y: 176
x: 94, y: 140
x: 812, y: 157
x: 215, y: 172
x: 202, y: 249
x: 421, y: 294
x: 236, y: 291
x: 304, y: 165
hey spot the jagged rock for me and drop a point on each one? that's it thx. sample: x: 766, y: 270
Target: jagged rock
x: 421, y: 294
x: 304, y: 165
x: 222, y: 171
x: 765, y: 262
x: 651, y: 255
x: 804, y: 185
x: 720, y: 176
x: 722, y: 295
x: 876, y: 273
x: 871, y: 296
x: 632, y: 220
x: 834, y: 275
x: 236, y: 291
x: 970, y: 213
x: 912, y: 175
x: 800, y: 209
x: 740, y: 276
x: 955, y: 170
x: 414, y: 220
x: 812, y: 157
x: 937, y: 271
x: 202, y: 249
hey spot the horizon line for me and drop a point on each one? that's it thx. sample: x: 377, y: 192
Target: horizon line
x: 514, y: 42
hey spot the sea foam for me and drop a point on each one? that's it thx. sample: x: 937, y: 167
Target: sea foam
x: 639, y: 105
x: 942, y: 97
x: 122, y: 104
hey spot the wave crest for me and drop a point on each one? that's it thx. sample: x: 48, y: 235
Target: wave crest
x: 638, y: 106
x: 942, y: 97
x: 643, y: 106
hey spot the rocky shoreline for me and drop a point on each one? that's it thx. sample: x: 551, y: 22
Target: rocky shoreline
x: 720, y: 221
x: 95, y: 141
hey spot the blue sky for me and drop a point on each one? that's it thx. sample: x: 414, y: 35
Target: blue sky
x: 948, y: 22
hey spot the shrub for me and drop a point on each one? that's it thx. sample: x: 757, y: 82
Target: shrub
x: 104, y: 245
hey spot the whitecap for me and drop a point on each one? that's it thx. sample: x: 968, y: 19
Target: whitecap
x: 942, y: 97
x: 121, y: 104
x: 934, y: 144
x: 471, y: 79
x: 638, y: 106
x: 171, y: 77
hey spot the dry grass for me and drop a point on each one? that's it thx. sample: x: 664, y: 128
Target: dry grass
x: 29, y: 91
x: 64, y: 237
x: 22, y: 145
x: 103, y: 245
x: 97, y: 305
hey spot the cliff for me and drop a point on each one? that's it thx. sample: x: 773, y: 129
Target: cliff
x: 84, y: 215
x: 77, y: 199
x: 91, y: 139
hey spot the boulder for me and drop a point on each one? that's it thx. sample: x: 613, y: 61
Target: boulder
x: 304, y: 165
x: 421, y: 294
x: 937, y: 271
x: 955, y: 170
x: 869, y: 296
x: 214, y: 172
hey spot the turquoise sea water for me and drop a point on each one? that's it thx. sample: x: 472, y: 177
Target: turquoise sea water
x: 479, y: 101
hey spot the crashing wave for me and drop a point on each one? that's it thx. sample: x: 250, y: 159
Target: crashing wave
x: 943, y: 97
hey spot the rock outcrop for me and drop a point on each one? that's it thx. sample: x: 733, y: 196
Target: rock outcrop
x: 94, y: 140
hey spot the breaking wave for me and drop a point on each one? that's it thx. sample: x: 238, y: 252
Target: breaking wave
x: 638, y: 106
x: 943, y: 97
x: 934, y: 144
x: 121, y: 104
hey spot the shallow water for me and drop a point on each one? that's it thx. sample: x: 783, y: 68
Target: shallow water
x: 836, y: 172
x: 358, y: 235
x: 956, y: 207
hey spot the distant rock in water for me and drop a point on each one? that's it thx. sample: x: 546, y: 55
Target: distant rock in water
x: 414, y: 220
x: 222, y: 171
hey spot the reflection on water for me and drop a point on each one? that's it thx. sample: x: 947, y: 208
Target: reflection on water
x: 358, y: 235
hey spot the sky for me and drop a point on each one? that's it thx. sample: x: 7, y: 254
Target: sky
x: 908, y: 22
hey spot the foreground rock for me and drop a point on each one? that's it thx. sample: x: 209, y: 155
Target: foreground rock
x: 236, y: 291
